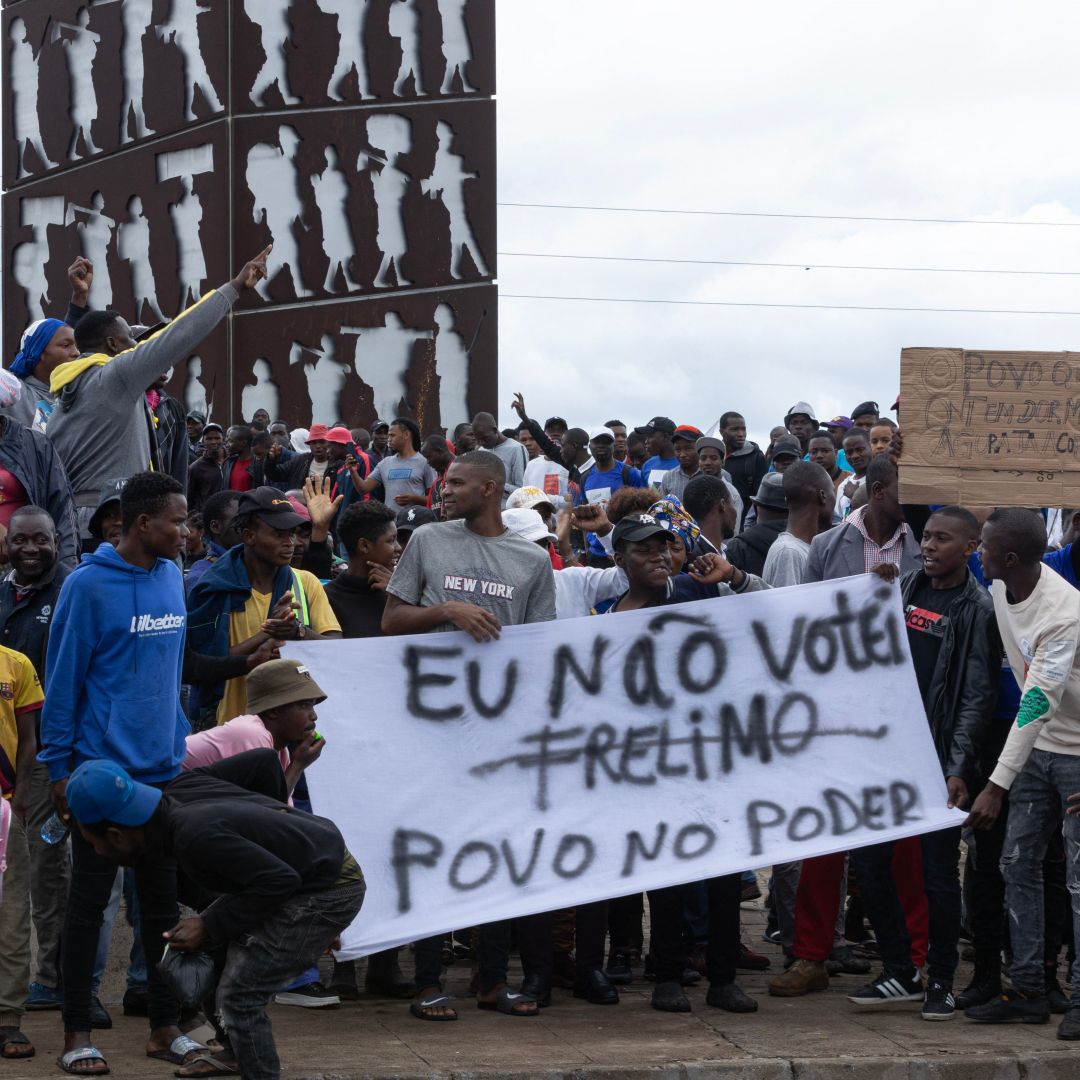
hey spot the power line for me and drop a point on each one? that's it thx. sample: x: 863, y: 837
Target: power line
x: 807, y: 217
x: 786, y: 265
x: 751, y: 304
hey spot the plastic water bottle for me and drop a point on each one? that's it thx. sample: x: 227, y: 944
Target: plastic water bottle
x: 55, y: 830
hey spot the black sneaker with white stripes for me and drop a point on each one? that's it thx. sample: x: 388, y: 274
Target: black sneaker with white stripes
x: 890, y: 990
x: 939, y: 1003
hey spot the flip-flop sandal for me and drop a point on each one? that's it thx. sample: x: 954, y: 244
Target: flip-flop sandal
x: 178, y: 1050
x: 221, y: 1068
x: 507, y: 999
x: 440, y: 1001
x: 13, y: 1036
x: 83, y: 1053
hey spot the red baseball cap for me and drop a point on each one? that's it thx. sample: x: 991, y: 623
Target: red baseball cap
x: 688, y: 432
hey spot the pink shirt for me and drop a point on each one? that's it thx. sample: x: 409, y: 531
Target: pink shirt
x: 231, y: 738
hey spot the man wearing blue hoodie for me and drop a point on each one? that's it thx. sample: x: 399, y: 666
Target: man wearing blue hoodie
x: 114, y: 664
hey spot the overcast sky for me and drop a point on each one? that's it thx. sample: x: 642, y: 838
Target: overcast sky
x: 956, y: 110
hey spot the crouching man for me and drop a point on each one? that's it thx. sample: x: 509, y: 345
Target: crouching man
x: 285, y: 883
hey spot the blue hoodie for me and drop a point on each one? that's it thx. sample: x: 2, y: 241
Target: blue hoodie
x: 116, y: 649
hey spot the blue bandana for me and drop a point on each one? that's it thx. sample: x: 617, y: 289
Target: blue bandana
x: 34, y: 342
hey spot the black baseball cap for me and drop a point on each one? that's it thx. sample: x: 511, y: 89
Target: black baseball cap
x: 110, y: 494
x: 271, y: 506
x: 140, y: 331
x: 658, y: 423
x: 634, y: 528
x: 412, y: 517
x: 379, y: 425
x: 787, y: 444
x: 214, y: 427
x: 198, y: 417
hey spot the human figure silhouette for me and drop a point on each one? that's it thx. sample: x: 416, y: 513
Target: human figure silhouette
x: 324, y: 373
x: 393, y: 136
x: 405, y: 28
x: 351, y: 56
x: 447, y: 182
x: 136, y: 15
x: 272, y: 19
x: 331, y: 192
x: 182, y: 30
x: 186, y: 214
x: 133, y: 244
x: 80, y: 48
x: 30, y: 258
x: 195, y: 399
x: 456, y: 48
x: 95, y: 236
x: 23, y: 75
x: 452, y: 367
x: 382, y: 359
x: 273, y: 181
x: 263, y: 393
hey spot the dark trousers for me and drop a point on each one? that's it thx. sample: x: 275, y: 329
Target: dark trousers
x: 668, y: 943
x: 535, y: 941
x: 984, y: 887
x: 492, y: 957
x: 92, y: 880
x: 941, y: 880
x: 624, y: 922
x: 259, y: 963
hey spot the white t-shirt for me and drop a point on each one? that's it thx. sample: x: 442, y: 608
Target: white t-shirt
x: 786, y: 561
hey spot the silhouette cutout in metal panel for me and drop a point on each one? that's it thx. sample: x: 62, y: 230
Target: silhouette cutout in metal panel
x: 136, y: 15
x: 393, y: 136
x: 456, y: 48
x: 447, y: 183
x: 405, y: 29
x: 29, y: 259
x: 182, y: 30
x: 325, y: 376
x: 80, y: 47
x: 351, y: 57
x: 274, y: 183
x: 133, y: 245
x: 186, y: 215
x: 452, y: 367
x: 263, y: 394
x: 272, y: 19
x: 95, y: 235
x: 23, y: 75
x: 382, y: 359
x: 331, y: 193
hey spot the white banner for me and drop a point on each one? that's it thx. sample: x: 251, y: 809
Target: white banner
x: 590, y: 758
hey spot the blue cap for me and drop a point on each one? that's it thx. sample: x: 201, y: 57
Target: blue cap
x: 103, y: 791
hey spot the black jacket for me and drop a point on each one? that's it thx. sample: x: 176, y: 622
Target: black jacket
x: 174, y: 448
x: 24, y: 623
x: 204, y: 479
x: 749, y: 549
x: 291, y: 474
x: 232, y: 833
x: 963, y: 690
x: 30, y: 457
x: 746, y: 467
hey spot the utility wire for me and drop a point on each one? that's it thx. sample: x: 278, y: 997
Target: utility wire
x: 787, y: 265
x: 807, y: 217
x: 750, y: 304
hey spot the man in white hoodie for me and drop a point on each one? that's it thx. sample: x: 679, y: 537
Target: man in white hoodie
x: 1038, y: 615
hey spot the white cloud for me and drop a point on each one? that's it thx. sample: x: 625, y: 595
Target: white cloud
x: 960, y: 110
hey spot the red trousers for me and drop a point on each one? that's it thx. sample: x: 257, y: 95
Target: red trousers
x: 818, y: 897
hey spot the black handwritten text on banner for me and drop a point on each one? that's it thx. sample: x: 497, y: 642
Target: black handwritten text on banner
x: 579, y: 760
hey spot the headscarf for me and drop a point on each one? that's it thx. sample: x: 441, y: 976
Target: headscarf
x: 298, y: 439
x: 670, y: 513
x: 35, y: 341
x: 10, y: 389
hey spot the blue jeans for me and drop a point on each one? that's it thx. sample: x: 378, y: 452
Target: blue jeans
x: 941, y: 880
x: 260, y: 962
x: 1036, y: 809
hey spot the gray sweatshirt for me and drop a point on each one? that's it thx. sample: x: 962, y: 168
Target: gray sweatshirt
x: 100, y: 425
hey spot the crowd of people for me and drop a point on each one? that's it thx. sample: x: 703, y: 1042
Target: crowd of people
x: 154, y: 741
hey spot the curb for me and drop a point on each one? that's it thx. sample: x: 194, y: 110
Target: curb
x: 1048, y: 1065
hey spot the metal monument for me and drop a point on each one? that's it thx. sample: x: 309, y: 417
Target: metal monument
x: 169, y: 140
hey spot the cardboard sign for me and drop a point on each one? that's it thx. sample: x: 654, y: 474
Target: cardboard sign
x: 990, y: 428
x: 583, y: 759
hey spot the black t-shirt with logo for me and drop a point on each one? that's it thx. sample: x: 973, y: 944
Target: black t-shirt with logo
x: 927, y: 617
